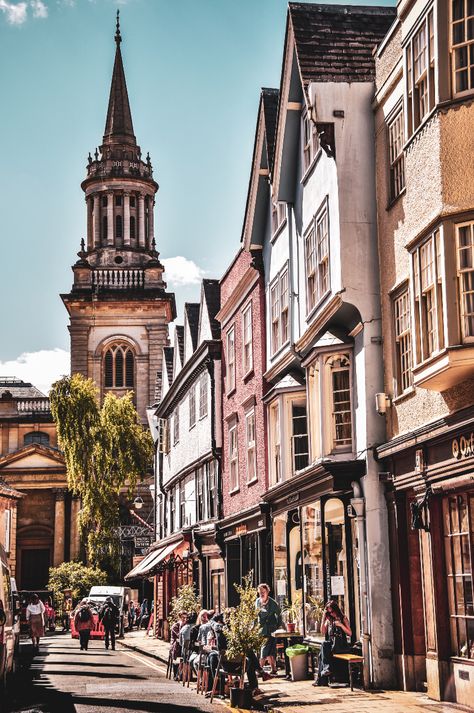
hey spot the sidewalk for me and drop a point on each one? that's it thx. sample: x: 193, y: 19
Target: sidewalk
x: 301, y: 697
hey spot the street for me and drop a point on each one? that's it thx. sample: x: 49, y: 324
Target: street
x: 63, y: 679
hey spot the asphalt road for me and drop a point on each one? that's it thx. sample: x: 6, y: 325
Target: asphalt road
x: 63, y: 679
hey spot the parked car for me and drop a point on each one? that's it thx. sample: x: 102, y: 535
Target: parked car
x: 7, y: 633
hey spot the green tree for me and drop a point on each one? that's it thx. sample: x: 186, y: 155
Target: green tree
x: 186, y: 600
x: 75, y: 577
x: 106, y: 450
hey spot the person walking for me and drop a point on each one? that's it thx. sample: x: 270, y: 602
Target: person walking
x: 269, y: 616
x: 84, y: 623
x: 109, y: 616
x: 67, y: 609
x: 35, y: 618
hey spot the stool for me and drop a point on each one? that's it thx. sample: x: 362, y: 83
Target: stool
x: 352, y: 661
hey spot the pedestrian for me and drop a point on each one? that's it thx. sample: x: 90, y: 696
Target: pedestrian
x: 269, y: 616
x: 84, y: 623
x: 67, y: 609
x: 336, y: 628
x: 109, y: 616
x: 144, y: 614
x: 35, y: 618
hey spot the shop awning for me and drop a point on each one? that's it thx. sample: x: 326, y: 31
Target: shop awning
x: 147, y: 565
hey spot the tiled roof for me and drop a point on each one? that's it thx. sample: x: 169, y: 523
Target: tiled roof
x: 180, y: 336
x: 192, y: 312
x: 19, y: 389
x: 335, y: 43
x: 168, y: 356
x: 212, y: 299
x: 270, y: 109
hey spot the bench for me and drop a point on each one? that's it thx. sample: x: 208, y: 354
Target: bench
x: 352, y: 660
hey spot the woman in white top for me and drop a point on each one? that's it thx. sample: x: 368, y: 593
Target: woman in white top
x: 35, y: 618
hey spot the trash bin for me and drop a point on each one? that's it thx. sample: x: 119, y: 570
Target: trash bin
x: 298, y: 656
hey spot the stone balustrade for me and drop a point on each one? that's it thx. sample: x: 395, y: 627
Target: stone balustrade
x: 33, y: 405
x: 119, y: 279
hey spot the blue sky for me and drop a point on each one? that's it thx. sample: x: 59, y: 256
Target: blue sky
x: 194, y: 70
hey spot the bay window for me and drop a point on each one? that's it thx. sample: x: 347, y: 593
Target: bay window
x: 465, y: 268
x: 428, y: 298
x: 310, y: 143
x: 339, y: 382
x: 317, y: 259
x: 211, y: 490
x: 275, y: 443
x: 462, y: 45
x: 203, y: 395
x: 299, y: 435
x: 278, y: 215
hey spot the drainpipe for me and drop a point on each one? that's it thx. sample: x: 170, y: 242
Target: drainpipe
x: 358, y: 504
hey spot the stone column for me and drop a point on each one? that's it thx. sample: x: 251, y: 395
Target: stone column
x: 151, y: 221
x: 110, y: 218
x: 59, y: 526
x: 89, y: 223
x: 141, y: 220
x: 75, y: 529
x: 126, y: 218
x: 96, y: 221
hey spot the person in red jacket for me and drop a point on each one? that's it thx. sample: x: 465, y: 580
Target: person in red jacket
x: 84, y: 623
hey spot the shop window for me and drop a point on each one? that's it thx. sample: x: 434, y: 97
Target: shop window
x: 200, y: 501
x: 339, y: 377
x: 465, y: 266
x: 310, y: 142
x: 401, y: 314
x: 119, y: 367
x: 278, y: 215
x: 275, y: 443
x: 317, y: 260
x: 192, y: 406
x: 313, y: 566
x: 279, y: 305
x: 336, y: 552
x: 251, y: 458
x: 427, y: 278
x: 211, y: 490
x: 462, y: 45
x: 230, y: 353
x: 420, y: 66
x: 218, y: 590
x: 36, y: 437
x: 280, y: 559
x: 459, y: 552
x: 176, y: 425
x: 233, y: 457
x: 203, y: 395
x: 299, y: 436
x: 396, y: 139
x: 247, y: 347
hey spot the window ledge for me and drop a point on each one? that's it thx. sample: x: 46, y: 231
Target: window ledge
x: 394, y: 201
x: 314, y: 310
x: 192, y: 426
x: 203, y: 416
x: 231, y: 392
x: 279, y: 230
x: 253, y: 481
x: 279, y: 350
x: 311, y: 167
x: 403, y: 396
x: 234, y: 491
x: 248, y: 374
x: 445, y: 369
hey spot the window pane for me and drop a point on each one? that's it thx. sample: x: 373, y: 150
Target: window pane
x: 119, y: 368
x: 129, y: 369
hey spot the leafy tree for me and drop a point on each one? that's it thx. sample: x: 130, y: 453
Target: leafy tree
x: 76, y: 577
x: 186, y: 600
x: 242, y: 630
x: 106, y: 450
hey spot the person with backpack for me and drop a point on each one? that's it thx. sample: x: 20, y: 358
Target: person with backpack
x: 84, y: 623
x: 109, y: 616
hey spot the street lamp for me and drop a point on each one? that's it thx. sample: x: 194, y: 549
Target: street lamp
x: 138, y: 503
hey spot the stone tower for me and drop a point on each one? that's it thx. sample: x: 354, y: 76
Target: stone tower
x: 118, y: 306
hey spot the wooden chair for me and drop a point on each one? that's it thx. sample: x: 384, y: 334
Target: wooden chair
x: 169, y: 665
x: 202, y: 672
x: 353, y: 661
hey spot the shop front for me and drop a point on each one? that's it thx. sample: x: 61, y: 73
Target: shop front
x: 211, y: 568
x: 244, y: 539
x: 315, y: 545
x: 430, y: 493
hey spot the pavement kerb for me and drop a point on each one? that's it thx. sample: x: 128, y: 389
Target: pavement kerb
x: 143, y: 651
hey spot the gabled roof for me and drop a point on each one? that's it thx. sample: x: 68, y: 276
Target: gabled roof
x: 211, y: 300
x: 180, y: 339
x: 168, y: 363
x: 192, y: 314
x: 269, y: 103
x: 335, y: 43
x: 18, y: 388
x: 45, y: 456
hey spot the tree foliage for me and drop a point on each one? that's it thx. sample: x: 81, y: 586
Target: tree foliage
x: 242, y: 630
x: 186, y: 600
x: 76, y: 577
x: 106, y: 450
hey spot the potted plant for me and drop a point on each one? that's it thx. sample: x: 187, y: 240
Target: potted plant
x: 292, y: 612
x: 315, y: 609
x: 243, y: 634
x: 186, y: 600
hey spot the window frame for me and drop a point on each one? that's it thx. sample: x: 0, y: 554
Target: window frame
x: 318, y: 272
x: 212, y: 490
x: 396, y: 153
x: 247, y: 340
x: 192, y: 406
x: 278, y: 216
x: 309, y: 143
x: 461, y: 272
x: 230, y: 363
x: 233, y: 451
x: 113, y: 349
x: 455, y: 47
x: 274, y: 442
x: 427, y: 297
x: 203, y: 396
x: 402, y: 338
x: 279, y: 311
x: 251, y: 446
x: 420, y: 72
x: 298, y: 401
x: 176, y: 425
x: 330, y: 402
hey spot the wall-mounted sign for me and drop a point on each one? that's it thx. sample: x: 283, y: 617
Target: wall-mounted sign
x: 419, y: 460
x: 463, y: 447
x: 142, y: 542
x: 241, y: 530
x: 337, y: 585
x: 293, y: 498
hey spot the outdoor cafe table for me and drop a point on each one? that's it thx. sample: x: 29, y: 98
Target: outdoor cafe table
x: 289, y: 639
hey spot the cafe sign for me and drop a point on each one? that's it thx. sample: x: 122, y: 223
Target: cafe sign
x: 463, y: 447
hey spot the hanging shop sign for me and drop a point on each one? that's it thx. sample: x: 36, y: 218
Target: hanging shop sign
x: 141, y: 543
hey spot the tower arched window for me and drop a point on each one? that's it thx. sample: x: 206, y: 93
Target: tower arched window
x: 119, y: 367
x: 118, y: 226
x: 104, y: 228
x: 132, y: 227
x: 36, y: 437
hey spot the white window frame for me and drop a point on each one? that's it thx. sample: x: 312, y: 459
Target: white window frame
x: 233, y: 457
x: 274, y: 440
x: 176, y: 425
x: 332, y: 405
x: 420, y: 73
x: 465, y: 275
x: 462, y: 46
x: 396, y: 141
x: 203, y: 395
x: 427, y: 263
x: 230, y: 357
x: 403, y: 341
x: 278, y: 215
x: 317, y: 267
x: 279, y: 311
x: 310, y: 142
x: 192, y: 406
x: 247, y: 339
x: 300, y: 401
x: 251, y: 446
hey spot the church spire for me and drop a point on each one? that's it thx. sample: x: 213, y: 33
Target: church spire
x: 119, y: 126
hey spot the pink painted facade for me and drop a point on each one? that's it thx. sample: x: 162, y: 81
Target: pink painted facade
x: 240, y: 286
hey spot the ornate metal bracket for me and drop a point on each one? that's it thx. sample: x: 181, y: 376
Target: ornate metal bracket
x: 327, y: 138
x: 419, y: 512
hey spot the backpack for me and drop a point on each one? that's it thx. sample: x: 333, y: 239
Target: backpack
x: 84, y: 615
x: 109, y: 615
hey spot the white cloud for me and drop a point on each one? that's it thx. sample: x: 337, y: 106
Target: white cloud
x: 39, y: 8
x: 181, y: 271
x: 15, y: 12
x: 40, y: 368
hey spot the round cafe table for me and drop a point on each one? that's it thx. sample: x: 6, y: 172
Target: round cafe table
x: 289, y: 639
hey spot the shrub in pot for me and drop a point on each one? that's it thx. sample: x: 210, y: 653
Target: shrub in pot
x: 292, y: 612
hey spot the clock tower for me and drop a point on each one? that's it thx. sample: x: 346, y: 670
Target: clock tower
x: 118, y: 306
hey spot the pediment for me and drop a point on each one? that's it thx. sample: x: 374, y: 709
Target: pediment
x: 32, y: 457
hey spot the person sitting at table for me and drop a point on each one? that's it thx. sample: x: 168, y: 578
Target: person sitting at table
x: 336, y: 628
x: 269, y: 616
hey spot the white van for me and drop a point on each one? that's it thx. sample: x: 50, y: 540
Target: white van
x: 121, y: 597
x: 7, y: 623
